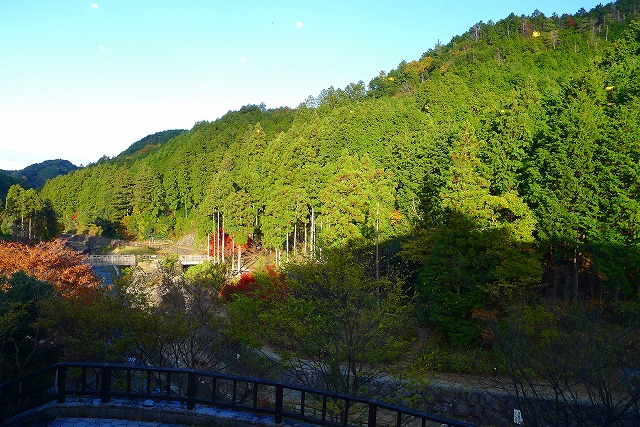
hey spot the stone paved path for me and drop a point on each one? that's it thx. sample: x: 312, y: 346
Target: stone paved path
x: 104, y: 422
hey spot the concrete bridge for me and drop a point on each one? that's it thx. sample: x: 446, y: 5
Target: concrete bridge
x: 131, y: 260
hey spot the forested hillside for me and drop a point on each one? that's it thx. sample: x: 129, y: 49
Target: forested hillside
x: 37, y: 174
x: 150, y: 141
x: 501, y: 165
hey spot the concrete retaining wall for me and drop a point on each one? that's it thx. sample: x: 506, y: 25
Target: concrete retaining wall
x: 160, y: 412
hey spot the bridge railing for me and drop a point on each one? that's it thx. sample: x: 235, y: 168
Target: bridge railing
x: 27, y: 392
x: 194, y: 387
x: 193, y: 259
x: 103, y: 260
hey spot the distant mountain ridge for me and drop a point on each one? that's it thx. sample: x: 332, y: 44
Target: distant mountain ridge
x: 37, y: 174
x: 155, y: 139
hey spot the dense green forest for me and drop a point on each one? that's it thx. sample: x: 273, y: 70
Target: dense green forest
x: 29, y: 178
x: 488, y: 191
x: 6, y: 181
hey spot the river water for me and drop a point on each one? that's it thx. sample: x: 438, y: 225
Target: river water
x: 108, y: 273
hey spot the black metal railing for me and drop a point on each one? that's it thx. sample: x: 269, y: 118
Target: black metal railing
x: 193, y: 387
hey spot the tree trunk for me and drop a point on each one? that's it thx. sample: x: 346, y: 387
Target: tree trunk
x: 313, y: 232
x: 576, y: 290
x: 458, y: 276
x: 554, y: 263
x: 232, y: 257
x: 217, y: 239
x: 555, y: 281
x: 378, y: 248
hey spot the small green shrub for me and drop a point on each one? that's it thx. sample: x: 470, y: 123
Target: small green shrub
x: 443, y: 359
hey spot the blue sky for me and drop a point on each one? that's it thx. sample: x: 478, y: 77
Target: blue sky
x: 81, y: 79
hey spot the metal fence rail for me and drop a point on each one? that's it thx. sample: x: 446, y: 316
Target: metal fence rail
x: 192, y: 259
x: 191, y: 387
x: 113, y: 259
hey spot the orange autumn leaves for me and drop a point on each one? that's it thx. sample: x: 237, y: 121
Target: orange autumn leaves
x: 50, y: 262
x: 268, y: 287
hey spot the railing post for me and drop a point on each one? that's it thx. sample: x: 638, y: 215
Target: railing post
x: 168, y: 385
x: 191, y: 390
x: 3, y: 405
x: 61, y: 382
x: 345, y: 416
x: 371, y: 421
x: 279, y: 401
x: 255, y: 395
x: 105, y: 389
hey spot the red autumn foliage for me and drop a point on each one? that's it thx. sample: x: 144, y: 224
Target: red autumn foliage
x: 483, y: 314
x: 491, y: 316
x: 229, y: 245
x: 246, y: 284
x: 271, y: 286
x: 51, y: 262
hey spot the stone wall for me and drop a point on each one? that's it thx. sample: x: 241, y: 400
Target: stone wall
x: 488, y: 406
x: 483, y: 408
